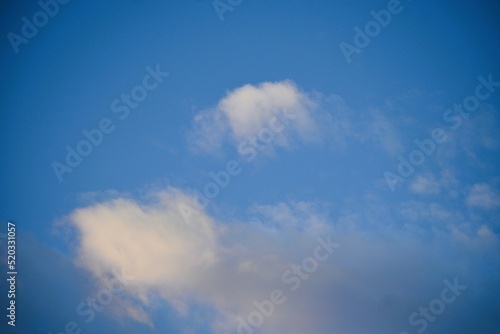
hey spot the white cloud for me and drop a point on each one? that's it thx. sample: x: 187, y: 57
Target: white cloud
x: 483, y: 196
x: 425, y: 185
x: 301, y: 216
x: 185, y: 258
x: 224, y: 267
x: 422, y: 211
x: 250, y: 108
x: 281, y: 109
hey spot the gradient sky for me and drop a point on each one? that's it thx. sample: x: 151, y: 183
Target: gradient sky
x: 198, y: 270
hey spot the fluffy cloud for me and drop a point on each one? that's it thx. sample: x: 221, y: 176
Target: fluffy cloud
x: 194, y: 261
x: 277, y: 112
x: 150, y: 241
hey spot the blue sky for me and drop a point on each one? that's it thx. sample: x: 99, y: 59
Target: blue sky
x: 329, y: 130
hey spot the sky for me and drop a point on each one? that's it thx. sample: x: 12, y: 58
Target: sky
x: 250, y: 166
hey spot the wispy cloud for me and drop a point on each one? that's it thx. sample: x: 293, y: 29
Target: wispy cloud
x: 483, y: 196
x: 425, y: 185
x: 381, y: 131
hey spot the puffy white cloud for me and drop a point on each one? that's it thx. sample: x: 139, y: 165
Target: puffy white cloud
x: 277, y: 112
x: 250, y: 108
